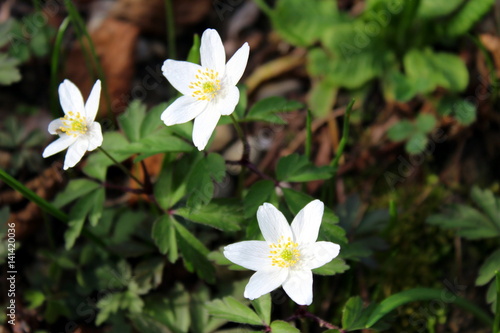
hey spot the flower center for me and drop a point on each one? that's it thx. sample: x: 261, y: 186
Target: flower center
x: 207, y: 85
x: 285, y: 253
x: 73, y: 124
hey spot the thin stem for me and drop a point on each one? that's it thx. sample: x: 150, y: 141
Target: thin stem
x: 118, y: 164
x: 308, y: 134
x: 345, y: 135
x: 170, y: 29
x: 54, y: 64
x: 303, y: 313
x: 496, y: 322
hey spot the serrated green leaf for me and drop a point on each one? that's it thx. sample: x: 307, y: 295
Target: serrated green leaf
x: 194, y: 254
x: 354, y: 315
x: 98, y: 206
x: 131, y: 120
x: 160, y: 142
x: 490, y: 204
x: 462, y: 110
x: 266, y: 109
x: 280, y: 326
x: 163, y: 234
x: 75, y: 189
x: 262, y: 306
x: 34, y: 298
x: 397, y: 87
x: 200, y: 182
x: 231, y: 309
x: 224, y: 214
x: 9, y: 73
x: 256, y: 196
x: 77, y: 216
x: 98, y: 163
x: 297, y: 168
x: 429, y: 9
x: 336, y: 266
x: 488, y: 268
x: 152, y: 120
x: 297, y: 200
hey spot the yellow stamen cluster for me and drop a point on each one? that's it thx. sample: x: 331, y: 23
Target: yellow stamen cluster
x: 73, y: 124
x: 206, y: 86
x: 285, y: 253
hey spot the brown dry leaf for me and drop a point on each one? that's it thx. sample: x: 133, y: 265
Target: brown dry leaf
x: 29, y: 217
x: 149, y: 15
x: 115, y: 43
x: 492, y: 44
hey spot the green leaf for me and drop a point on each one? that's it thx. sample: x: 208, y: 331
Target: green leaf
x: 75, y: 189
x: 397, y: 86
x: 297, y: 200
x: 425, y: 122
x: 462, y: 110
x: 9, y: 73
x: 490, y: 204
x: 322, y: 97
x: 160, y: 142
x: 354, y: 315
x: 131, y: 120
x: 301, y: 23
x: 466, y: 17
x: 488, y: 268
x: 336, y: 266
x: 297, y: 168
x: 262, y: 306
x: 266, y: 109
x: 152, y: 120
x: 194, y: 52
x: 400, y: 131
x: 258, y: 193
x: 98, y: 163
x: 429, y: 9
x: 5, y: 28
x: 77, y: 217
x: 200, y: 182
x: 416, y: 144
x: 423, y: 294
x: 429, y: 70
x: 231, y: 309
x: 224, y: 214
x: 107, y: 306
x: 194, y: 254
x: 163, y: 234
x: 280, y: 326
x: 35, y: 298
x: 97, y: 207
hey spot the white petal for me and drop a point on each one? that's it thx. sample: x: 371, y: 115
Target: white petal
x: 55, y: 125
x: 183, y: 109
x: 94, y: 135
x: 204, y: 125
x: 237, y: 64
x: 76, y: 152
x: 305, y: 225
x: 263, y: 282
x: 317, y: 254
x: 272, y: 223
x: 225, y: 105
x: 180, y: 74
x: 59, y: 145
x: 71, y: 98
x: 92, y: 104
x: 252, y: 255
x: 299, y: 286
x: 212, y: 53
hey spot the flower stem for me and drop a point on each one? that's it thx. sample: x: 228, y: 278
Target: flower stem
x: 345, y: 135
x: 118, y: 164
x: 303, y: 313
x: 170, y: 29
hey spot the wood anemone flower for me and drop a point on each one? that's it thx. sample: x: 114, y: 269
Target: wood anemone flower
x: 209, y: 91
x: 287, y: 255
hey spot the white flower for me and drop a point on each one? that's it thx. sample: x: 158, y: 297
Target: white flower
x: 287, y: 255
x: 77, y: 130
x: 209, y: 90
